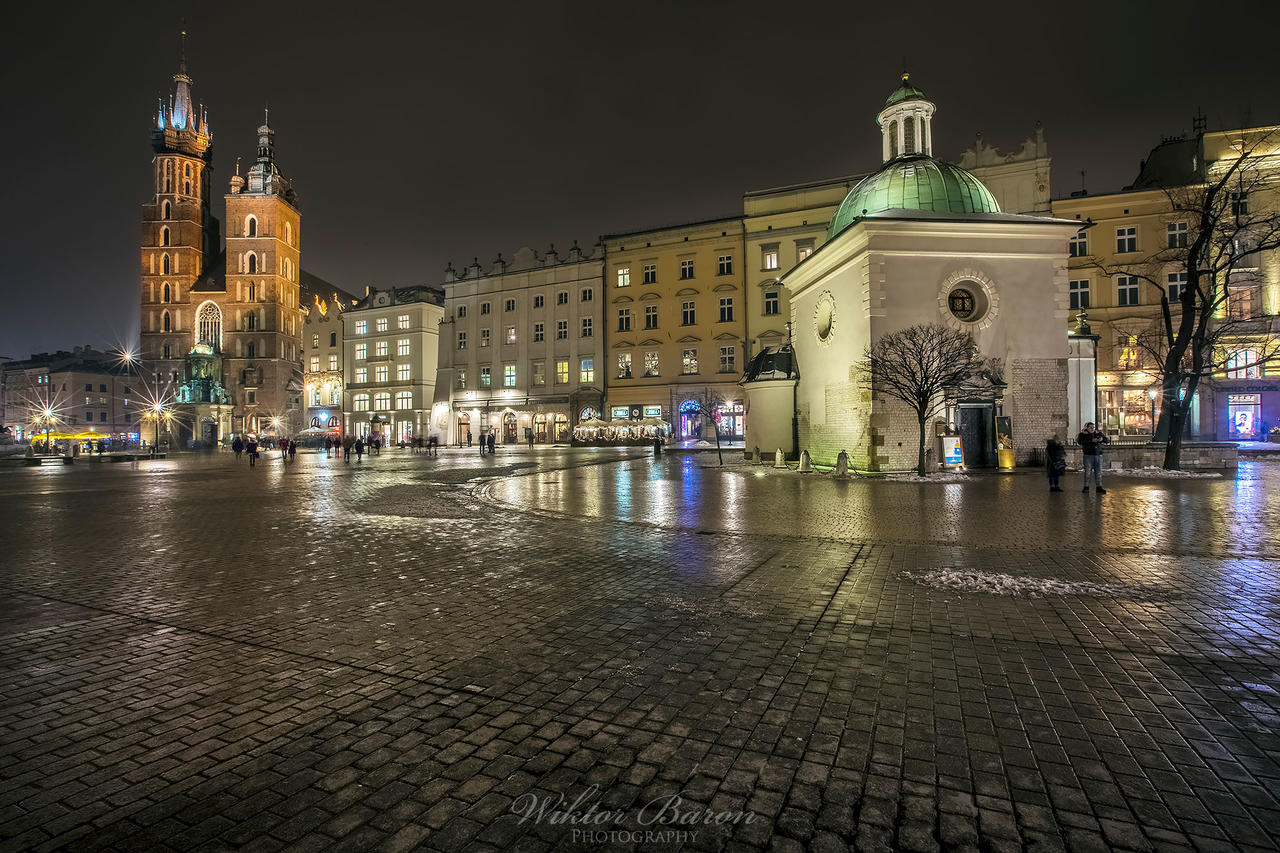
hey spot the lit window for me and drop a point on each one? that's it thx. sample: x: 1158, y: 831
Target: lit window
x: 804, y: 248
x: 724, y: 265
x: 315, y: 364
x: 382, y: 348
x: 510, y: 336
x: 686, y: 313
x: 686, y: 269
x: 360, y: 402
x: 315, y: 341
x: 462, y: 340
x: 769, y: 257
x: 402, y: 322
x: 651, y: 316
x: 771, y: 302
x: 651, y: 362
x: 382, y: 401
x: 539, y: 373
x: 381, y: 324
x: 362, y: 352
x: 1126, y: 239
x: 587, y: 373
x: 624, y: 319
x: 508, y: 376
x: 404, y: 372
x: 333, y: 361
x: 381, y: 373
x: 362, y: 327
x: 402, y: 346
x: 485, y: 377
x: 404, y: 399
x: 1243, y: 364
x: 728, y: 359
x: 726, y: 309
x: 586, y: 327
x: 1126, y: 290
x: 1177, y: 235
x: 624, y: 277
x: 1079, y: 294
x: 362, y: 375
x: 562, y: 372
x: 462, y: 378
x: 650, y: 273
x: 689, y: 361
x: 539, y: 332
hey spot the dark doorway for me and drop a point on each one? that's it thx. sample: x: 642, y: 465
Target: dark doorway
x: 977, y: 435
x: 508, y: 428
x: 209, y: 432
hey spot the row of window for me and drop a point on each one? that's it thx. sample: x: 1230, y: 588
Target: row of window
x: 688, y: 317
x: 382, y: 401
x: 382, y: 349
x: 689, y: 365
x: 381, y: 324
x: 315, y: 362
x: 1126, y: 290
x: 315, y: 340
x: 510, y: 377
x: 649, y: 272
x: 587, y: 294
x: 1176, y: 233
x: 382, y: 373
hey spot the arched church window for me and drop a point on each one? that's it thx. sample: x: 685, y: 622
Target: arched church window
x: 187, y: 170
x: 893, y: 139
x: 251, y: 226
x: 164, y: 236
x: 908, y: 135
x: 288, y: 233
x: 168, y: 185
x: 209, y: 325
x: 253, y: 291
x: 251, y: 321
x: 164, y: 264
x: 168, y: 212
x: 186, y: 188
x: 253, y: 262
x: 165, y: 323
x: 166, y: 292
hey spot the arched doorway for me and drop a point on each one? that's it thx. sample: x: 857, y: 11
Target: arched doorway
x: 464, y: 428
x: 540, y: 428
x: 690, y: 419
x: 562, y: 428
x: 508, y: 427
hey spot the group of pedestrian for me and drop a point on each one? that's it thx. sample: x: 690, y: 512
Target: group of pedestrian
x: 1091, y: 439
x: 429, y: 445
x: 488, y: 441
x: 250, y: 447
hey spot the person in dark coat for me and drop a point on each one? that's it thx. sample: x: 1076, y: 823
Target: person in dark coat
x: 293, y: 449
x: 359, y: 450
x: 493, y: 440
x: 347, y: 443
x: 1055, y: 462
x: 238, y: 447
x: 252, y: 449
x: 1091, y: 440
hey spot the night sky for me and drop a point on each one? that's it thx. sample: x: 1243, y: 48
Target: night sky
x: 434, y: 132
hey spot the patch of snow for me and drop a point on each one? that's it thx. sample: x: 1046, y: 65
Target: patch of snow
x: 937, y: 477
x: 995, y: 583
x: 1156, y: 472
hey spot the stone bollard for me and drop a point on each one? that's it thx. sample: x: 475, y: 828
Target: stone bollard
x: 779, y: 460
x: 842, y: 464
x: 755, y: 456
x: 805, y: 466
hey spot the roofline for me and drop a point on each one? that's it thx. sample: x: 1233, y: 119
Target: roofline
x: 847, y: 180
x: 735, y: 218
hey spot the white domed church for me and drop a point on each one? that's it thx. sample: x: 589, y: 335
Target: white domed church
x: 919, y: 241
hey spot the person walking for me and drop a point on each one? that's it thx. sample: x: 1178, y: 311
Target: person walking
x: 347, y: 443
x: 359, y: 450
x: 252, y: 450
x: 468, y: 438
x: 328, y: 447
x: 293, y: 449
x: 482, y: 442
x: 1091, y: 440
x: 493, y: 440
x: 238, y: 447
x: 1055, y: 462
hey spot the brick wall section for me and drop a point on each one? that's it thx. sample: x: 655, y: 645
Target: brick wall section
x: 1036, y: 400
x: 846, y: 426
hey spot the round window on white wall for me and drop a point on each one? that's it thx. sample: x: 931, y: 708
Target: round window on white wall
x: 824, y: 317
x: 967, y: 299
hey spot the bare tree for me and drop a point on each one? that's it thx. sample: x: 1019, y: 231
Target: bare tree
x: 922, y: 365
x: 710, y: 411
x: 1210, y: 326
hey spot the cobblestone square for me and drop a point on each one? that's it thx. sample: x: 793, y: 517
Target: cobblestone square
x: 450, y: 653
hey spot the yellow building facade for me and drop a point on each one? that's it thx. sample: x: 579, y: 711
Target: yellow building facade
x: 675, y: 314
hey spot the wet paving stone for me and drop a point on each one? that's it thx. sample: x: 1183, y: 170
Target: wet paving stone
x: 416, y: 653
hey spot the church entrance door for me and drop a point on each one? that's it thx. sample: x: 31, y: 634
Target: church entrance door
x: 978, y: 434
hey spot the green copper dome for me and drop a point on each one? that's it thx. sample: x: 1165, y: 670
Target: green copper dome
x: 916, y: 182
x: 905, y: 92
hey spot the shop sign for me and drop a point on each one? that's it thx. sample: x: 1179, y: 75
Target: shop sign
x: 619, y: 412
x: 653, y: 411
x: 1254, y: 388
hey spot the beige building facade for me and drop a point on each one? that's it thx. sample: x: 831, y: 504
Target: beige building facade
x: 676, y: 310
x: 322, y: 374
x: 521, y: 348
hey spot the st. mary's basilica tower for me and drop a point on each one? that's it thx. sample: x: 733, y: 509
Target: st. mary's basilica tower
x: 221, y: 329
